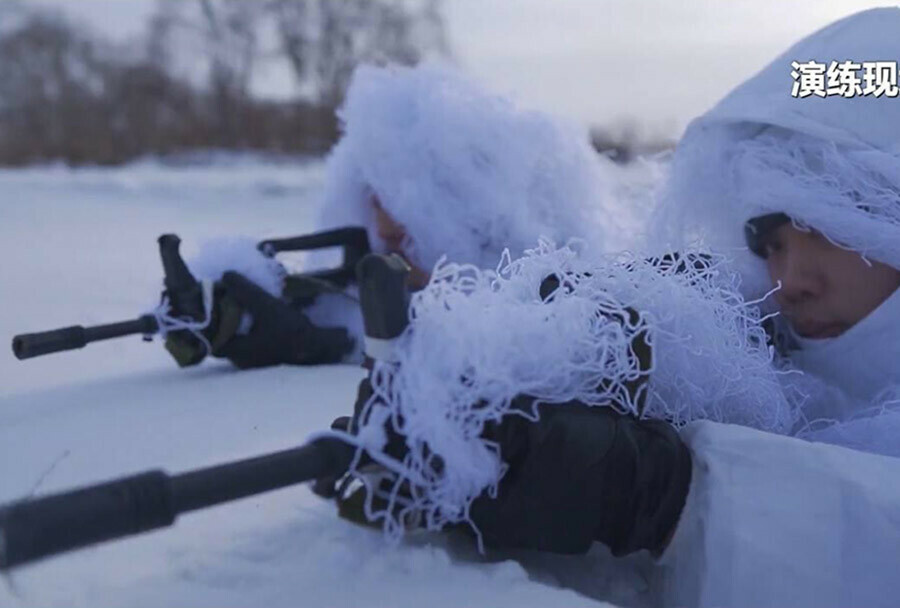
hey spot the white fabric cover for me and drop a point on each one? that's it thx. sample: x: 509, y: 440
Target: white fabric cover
x: 777, y: 521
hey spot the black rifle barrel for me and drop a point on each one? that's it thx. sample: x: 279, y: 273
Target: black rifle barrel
x: 33, y: 529
x: 26, y: 346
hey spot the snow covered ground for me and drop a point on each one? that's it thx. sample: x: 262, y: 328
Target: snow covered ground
x: 79, y: 247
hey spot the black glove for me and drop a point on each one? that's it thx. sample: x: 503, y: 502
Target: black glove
x: 351, y: 499
x: 279, y: 332
x: 582, y: 474
x: 577, y: 475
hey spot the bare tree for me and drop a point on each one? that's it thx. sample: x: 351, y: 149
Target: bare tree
x: 222, y: 34
x: 321, y: 40
x: 65, y: 92
x: 161, y: 25
x: 325, y: 40
x: 231, y: 39
x: 49, y: 74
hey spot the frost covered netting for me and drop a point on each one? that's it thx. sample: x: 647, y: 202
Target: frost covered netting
x: 477, y: 339
x: 723, y: 176
x: 850, y: 195
x: 467, y: 172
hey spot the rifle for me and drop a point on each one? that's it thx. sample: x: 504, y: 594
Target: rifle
x: 33, y: 529
x: 186, y: 295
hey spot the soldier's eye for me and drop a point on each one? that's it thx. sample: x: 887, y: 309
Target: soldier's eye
x: 772, y: 247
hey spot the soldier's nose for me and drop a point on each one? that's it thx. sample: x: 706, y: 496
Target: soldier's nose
x: 799, y: 279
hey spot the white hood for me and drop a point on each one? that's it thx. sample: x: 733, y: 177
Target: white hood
x: 466, y: 172
x: 760, y: 150
x: 832, y: 163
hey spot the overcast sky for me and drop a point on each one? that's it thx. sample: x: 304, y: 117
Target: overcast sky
x: 655, y: 62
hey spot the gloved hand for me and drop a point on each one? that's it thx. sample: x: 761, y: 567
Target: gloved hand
x: 279, y: 333
x: 577, y: 475
x: 351, y: 498
x: 581, y: 474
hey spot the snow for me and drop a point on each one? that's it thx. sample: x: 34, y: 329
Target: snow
x: 79, y: 247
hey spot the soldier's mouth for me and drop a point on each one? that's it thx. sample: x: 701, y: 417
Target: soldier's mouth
x: 818, y: 331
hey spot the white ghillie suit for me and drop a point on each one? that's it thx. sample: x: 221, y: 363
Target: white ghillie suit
x: 467, y: 173
x: 777, y: 521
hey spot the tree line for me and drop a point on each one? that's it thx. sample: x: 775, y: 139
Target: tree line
x: 69, y: 93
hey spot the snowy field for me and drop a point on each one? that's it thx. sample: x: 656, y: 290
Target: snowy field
x: 79, y: 247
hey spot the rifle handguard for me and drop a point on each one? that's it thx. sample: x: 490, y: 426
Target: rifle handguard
x: 32, y: 529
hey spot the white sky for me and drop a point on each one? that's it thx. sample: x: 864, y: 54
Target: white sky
x: 657, y: 63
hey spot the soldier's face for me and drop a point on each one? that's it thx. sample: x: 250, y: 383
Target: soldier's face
x: 395, y: 238
x: 825, y: 289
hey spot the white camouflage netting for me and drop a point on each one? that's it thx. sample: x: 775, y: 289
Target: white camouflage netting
x: 709, y: 361
x: 468, y: 173
x: 723, y: 176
